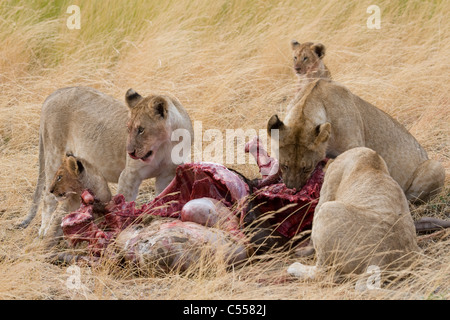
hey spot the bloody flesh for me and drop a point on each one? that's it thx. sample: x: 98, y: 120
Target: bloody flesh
x: 294, y: 209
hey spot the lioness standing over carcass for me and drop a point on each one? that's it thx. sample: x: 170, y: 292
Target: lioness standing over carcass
x: 93, y: 126
x: 328, y: 120
x: 362, y: 218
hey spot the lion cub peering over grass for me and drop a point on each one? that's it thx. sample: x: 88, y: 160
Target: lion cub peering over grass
x: 328, y: 120
x: 308, y: 65
x: 362, y: 218
x: 308, y: 60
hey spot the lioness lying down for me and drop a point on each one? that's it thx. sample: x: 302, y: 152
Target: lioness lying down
x: 328, y: 120
x: 362, y: 218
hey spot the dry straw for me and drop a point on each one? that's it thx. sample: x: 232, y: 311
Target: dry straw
x: 229, y: 64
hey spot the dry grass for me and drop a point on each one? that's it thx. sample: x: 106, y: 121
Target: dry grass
x: 229, y: 64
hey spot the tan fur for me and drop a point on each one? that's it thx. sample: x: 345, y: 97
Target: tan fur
x: 93, y: 125
x: 328, y: 120
x: 362, y: 218
x: 308, y: 63
x: 308, y: 66
x: 72, y: 177
x: 75, y: 175
x: 158, y: 116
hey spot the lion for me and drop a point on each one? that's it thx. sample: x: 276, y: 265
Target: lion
x: 308, y: 65
x: 93, y: 125
x: 308, y: 60
x: 329, y: 120
x: 154, y: 122
x: 75, y: 175
x: 362, y: 219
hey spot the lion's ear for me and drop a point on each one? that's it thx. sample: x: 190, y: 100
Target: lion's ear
x: 274, y: 123
x: 323, y: 132
x: 295, y: 44
x: 80, y: 166
x: 74, y: 165
x: 319, y: 49
x: 160, y: 106
x: 132, y: 98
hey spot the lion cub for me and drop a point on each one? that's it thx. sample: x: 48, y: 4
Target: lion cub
x: 72, y: 177
x: 362, y: 218
x: 308, y: 63
x: 308, y: 66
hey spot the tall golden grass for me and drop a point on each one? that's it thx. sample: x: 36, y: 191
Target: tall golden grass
x: 229, y: 63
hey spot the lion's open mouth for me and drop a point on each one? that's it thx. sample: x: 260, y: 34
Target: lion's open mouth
x: 148, y: 155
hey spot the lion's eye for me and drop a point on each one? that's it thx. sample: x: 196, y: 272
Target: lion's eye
x: 58, y: 178
x: 307, y: 170
x: 284, y: 167
x: 140, y: 130
x: 305, y: 58
x: 295, y: 58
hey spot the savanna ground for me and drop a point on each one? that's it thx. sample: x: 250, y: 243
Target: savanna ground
x: 229, y: 63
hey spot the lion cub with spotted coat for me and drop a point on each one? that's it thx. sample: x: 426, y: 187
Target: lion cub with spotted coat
x: 362, y: 218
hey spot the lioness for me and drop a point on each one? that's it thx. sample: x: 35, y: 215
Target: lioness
x: 362, y: 218
x: 93, y: 126
x: 328, y: 120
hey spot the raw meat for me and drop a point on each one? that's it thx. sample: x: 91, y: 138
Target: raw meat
x: 208, y: 194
